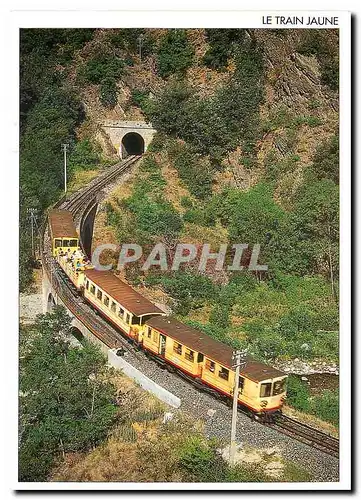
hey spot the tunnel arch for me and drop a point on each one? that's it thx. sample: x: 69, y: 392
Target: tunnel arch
x: 77, y: 334
x: 132, y: 144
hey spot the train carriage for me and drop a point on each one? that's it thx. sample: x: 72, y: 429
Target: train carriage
x: 261, y: 387
x: 120, y: 303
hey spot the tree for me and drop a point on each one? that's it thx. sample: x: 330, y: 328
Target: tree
x: 85, y: 155
x: 317, y: 223
x: 325, y: 163
x: 65, y: 403
x: 175, y: 53
x: 109, y: 92
x: 222, y: 43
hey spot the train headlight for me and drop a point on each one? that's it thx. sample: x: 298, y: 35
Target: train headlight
x: 264, y: 403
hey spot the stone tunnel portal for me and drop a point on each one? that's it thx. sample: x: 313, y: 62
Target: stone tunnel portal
x: 132, y: 144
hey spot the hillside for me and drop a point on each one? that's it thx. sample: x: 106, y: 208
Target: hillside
x: 246, y: 151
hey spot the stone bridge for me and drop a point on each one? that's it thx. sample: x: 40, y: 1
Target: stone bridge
x: 129, y: 137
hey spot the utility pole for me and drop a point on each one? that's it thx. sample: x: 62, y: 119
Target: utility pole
x: 65, y: 150
x: 239, y: 359
x: 140, y: 42
x: 33, y: 216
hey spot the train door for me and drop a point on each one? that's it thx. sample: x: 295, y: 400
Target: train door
x: 162, y: 342
x: 200, y: 359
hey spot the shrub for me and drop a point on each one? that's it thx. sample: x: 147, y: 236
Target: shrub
x: 175, y: 53
x: 326, y: 406
x: 84, y: 156
x: 109, y: 92
x: 298, y: 394
x: 102, y: 66
x: 220, y: 315
x: 189, y: 290
x: 196, y: 456
x: 222, y: 43
x: 294, y: 322
x: 140, y: 98
x: 325, y: 163
x: 195, y: 173
x: 316, y: 43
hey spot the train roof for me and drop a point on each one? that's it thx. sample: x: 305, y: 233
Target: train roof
x: 198, y: 341
x: 62, y: 224
x: 124, y: 294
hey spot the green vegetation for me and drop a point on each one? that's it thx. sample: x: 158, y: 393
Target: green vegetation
x: 204, y: 464
x: 315, y: 43
x: 216, y: 125
x: 84, y: 156
x: 195, y: 173
x: 102, y: 66
x: 50, y: 112
x: 146, y: 215
x: 326, y: 160
x: 74, y: 409
x: 324, y: 406
x: 223, y: 43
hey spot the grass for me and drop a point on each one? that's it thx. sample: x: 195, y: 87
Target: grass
x: 144, y: 449
x: 324, y: 406
x: 81, y: 178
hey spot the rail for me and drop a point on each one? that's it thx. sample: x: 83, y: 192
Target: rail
x: 306, y: 434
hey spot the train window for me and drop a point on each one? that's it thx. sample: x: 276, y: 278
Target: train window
x: 241, y: 385
x: 127, y: 319
x: 58, y: 243
x: 200, y: 357
x: 210, y: 365
x: 66, y: 243
x: 106, y: 301
x: 92, y: 289
x: 265, y: 390
x: 113, y: 307
x: 189, y: 355
x: 99, y: 294
x: 87, y: 284
x: 149, y: 332
x: 223, y: 373
x: 279, y: 386
x: 121, y: 312
x: 177, y: 348
x: 136, y: 320
x: 73, y: 243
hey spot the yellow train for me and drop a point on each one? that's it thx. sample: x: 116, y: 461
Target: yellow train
x: 200, y: 358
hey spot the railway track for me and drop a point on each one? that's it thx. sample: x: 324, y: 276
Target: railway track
x: 77, y: 203
x: 306, y: 434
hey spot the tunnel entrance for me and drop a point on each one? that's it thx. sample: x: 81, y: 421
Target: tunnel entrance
x: 132, y: 144
x: 77, y: 334
x: 50, y: 303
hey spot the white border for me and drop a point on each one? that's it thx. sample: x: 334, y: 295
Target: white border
x: 216, y: 18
